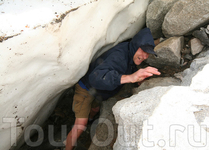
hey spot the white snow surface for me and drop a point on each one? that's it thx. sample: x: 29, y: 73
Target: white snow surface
x: 17, y: 16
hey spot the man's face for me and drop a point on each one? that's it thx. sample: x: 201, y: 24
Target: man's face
x: 140, y: 56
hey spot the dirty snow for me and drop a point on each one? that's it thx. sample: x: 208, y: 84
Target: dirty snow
x: 17, y: 16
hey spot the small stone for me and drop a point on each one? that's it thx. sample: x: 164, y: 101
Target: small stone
x: 196, y: 46
x: 186, y: 50
x: 188, y: 56
x: 207, y: 29
x: 181, y: 61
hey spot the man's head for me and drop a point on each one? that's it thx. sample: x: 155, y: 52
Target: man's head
x: 143, y: 53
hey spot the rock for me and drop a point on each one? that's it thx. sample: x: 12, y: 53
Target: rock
x: 188, y: 56
x: 130, y: 114
x: 150, y: 1
x: 155, y: 15
x: 186, y: 50
x: 167, y: 117
x: 168, y: 53
x: 106, y: 129
x: 197, y: 65
x: 38, y: 64
x: 202, y: 36
x: 207, y: 29
x: 185, y: 16
x: 159, y: 81
x: 105, y: 133
x: 200, y: 80
x: 204, y: 53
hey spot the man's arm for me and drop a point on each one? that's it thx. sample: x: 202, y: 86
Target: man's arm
x: 139, y: 75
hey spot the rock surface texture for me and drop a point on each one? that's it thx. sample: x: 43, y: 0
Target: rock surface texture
x: 185, y: 16
x: 196, y: 46
x: 40, y: 59
x: 156, y: 13
x: 169, y: 53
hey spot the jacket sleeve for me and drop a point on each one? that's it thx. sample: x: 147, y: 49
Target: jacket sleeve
x: 107, y: 75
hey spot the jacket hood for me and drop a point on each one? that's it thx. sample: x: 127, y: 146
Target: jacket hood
x: 142, y: 38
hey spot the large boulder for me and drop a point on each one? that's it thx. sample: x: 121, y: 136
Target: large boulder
x: 168, y: 53
x: 156, y: 12
x: 40, y: 60
x: 185, y: 16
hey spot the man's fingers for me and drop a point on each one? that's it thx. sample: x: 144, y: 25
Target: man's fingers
x: 156, y: 72
x: 141, y: 74
x: 145, y: 75
x: 148, y: 74
x: 152, y: 70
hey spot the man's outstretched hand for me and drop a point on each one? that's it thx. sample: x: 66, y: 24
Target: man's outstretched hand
x: 139, y: 75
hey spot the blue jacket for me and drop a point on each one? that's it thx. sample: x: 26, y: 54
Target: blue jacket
x: 105, y: 72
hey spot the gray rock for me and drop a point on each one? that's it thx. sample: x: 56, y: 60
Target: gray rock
x: 168, y: 53
x: 196, y: 46
x: 202, y: 36
x: 186, y: 50
x: 106, y: 128
x: 160, y: 81
x: 185, y: 16
x: 150, y: 1
x: 204, y: 53
x: 130, y: 114
x: 207, y: 29
x: 188, y: 56
x: 155, y: 16
x: 195, y: 66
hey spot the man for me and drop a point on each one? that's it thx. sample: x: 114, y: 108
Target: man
x: 106, y: 76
